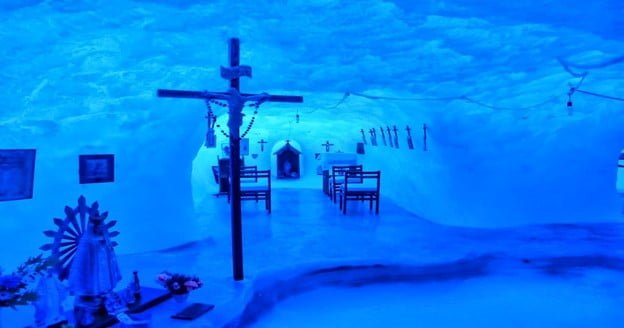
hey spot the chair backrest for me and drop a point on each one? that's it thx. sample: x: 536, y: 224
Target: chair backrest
x: 247, y: 173
x: 249, y: 168
x: 341, y: 170
x: 370, y: 178
x: 256, y: 175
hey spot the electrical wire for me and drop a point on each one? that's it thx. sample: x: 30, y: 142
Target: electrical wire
x: 599, y: 95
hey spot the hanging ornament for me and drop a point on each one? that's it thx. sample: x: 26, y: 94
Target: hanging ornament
x: 211, y: 119
x: 570, y: 104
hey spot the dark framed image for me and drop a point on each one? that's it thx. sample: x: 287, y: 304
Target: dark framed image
x: 97, y: 168
x: 17, y: 173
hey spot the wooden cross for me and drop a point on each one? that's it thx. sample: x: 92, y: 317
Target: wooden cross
x: 236, y: 102
x: 396, y: 136
x: 389, y: 136
x: 410, y: 143
x: 425, y: 137
x: 327, y: 146
x: 373, y: 137
x: 383, y: 136
x: 262, y: 142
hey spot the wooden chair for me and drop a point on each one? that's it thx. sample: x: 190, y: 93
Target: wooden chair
x: 248, y: 169
x: 257, y: 187
x: 360, y: 185
x: 338, y: 177
x: 244, y: 169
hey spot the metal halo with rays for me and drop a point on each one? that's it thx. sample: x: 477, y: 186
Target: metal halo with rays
x: 69, y: 231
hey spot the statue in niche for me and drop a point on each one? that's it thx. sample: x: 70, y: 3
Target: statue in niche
x: 287, y: 168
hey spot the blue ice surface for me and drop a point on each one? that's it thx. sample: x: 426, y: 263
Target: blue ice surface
x: 486, y: 77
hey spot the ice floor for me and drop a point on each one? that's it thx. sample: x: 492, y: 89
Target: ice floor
x: 307, y: 233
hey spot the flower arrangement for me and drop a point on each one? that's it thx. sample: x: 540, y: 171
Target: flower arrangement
x: 178, y: 284
x: 14, y: 289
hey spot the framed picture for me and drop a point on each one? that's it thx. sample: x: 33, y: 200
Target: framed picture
x: 96, y: 168
x: 244, y: 146
x: 17, y: 173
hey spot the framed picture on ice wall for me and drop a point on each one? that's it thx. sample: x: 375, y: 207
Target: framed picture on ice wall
x: 17, y: 173
x: 96, y: 168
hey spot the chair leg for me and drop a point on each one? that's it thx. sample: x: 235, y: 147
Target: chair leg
x: 377, y: 204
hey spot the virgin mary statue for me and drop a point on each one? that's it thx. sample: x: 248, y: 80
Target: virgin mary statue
x: 94, y: 270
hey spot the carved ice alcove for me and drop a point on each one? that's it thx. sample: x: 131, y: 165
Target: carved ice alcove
x: 287, y: 160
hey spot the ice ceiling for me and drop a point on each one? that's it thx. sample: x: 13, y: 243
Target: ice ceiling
x: 80, y: 77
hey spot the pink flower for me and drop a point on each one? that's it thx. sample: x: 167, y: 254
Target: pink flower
x: 191, y: 284
x: 163, y: 277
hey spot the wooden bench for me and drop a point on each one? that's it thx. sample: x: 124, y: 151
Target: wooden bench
x: 360, y: 185
x: 338, y: 177
x: 256, y: 185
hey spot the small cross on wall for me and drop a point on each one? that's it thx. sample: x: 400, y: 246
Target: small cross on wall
x: 327, y: 146
x: 262, y: 142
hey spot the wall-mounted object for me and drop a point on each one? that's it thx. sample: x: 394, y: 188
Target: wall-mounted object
x: 244, y: 146
x: 17, y: 173
x: 424, y: 137
x: 359, y: 149
x: 396, y: 136
x: 373, y: 134
x: 383, y: 136
x: 99, y: 168
x: 410, y: 143
x: 288, y: 162
x: 327, y: 146
x: 262, y: 143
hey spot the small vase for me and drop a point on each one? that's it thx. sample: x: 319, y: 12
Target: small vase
x: 180, y: 298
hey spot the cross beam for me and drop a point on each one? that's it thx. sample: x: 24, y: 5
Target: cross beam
x: 166, y: 93
x: 236, y: 102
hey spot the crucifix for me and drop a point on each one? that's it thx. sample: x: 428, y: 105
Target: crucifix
x: 373, y: 136
x: 389, y: 136
x: 236, y: 102
x: 363, y: 136
x: 383, y: 136
x: 410, y: 143
x: 327, y: 146
x: 262, y: 142
x: 396, y: 136
x: 425, y: 137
